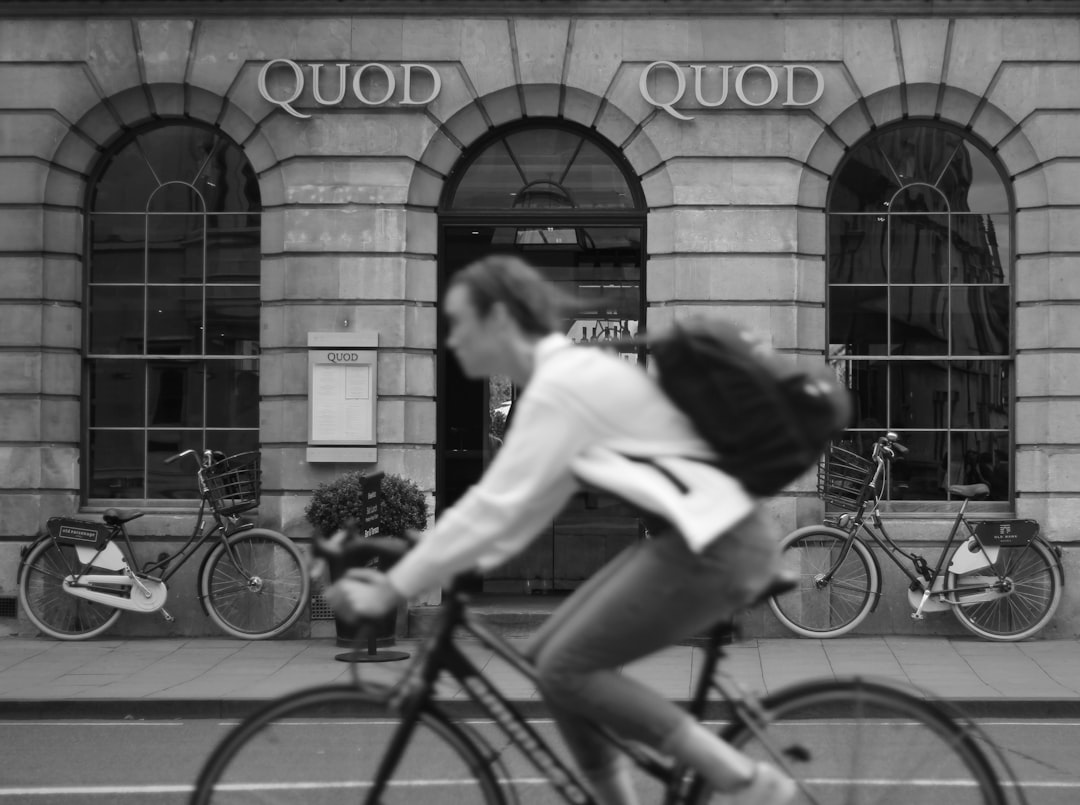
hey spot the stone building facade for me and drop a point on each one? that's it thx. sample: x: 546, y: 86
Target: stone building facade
x: 729, y: 130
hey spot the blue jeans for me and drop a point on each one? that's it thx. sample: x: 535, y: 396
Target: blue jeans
x: 655, y: 593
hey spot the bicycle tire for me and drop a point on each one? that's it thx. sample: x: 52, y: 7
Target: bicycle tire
x: 1036, y: 594
x: 264, y: 759
x: 268, y: 604
x: 838, y: 607
x: 872, y: 741
x: 52, y: 610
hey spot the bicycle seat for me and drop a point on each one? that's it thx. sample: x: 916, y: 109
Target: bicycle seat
x: 118, y: 516
x: 970, y: 490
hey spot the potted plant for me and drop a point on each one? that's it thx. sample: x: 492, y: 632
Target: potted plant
x: 402, y: 505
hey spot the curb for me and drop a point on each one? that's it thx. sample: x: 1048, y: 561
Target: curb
x: 230, y: 709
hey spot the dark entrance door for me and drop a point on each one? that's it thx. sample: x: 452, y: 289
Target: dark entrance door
x: 600, y: 266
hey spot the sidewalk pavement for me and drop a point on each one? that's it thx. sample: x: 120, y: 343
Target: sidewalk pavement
x: 212, y: 678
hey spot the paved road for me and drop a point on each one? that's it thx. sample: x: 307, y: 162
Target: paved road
x: 131, y: 761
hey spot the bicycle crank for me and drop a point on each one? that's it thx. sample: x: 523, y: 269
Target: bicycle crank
x: 143, y: 595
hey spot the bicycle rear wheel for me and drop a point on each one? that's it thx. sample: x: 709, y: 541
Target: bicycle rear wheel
x: 852, y: 740
x: 820, y: 608
x: 53, y: 610
x: 324, y: 745
x: 263, y: 592
x: 1032, y: 589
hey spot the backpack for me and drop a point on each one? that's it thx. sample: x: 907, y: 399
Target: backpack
x: 768, y: 418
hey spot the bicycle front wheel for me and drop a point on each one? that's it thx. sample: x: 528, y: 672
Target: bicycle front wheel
x: 824, y: 605
x: 852, y: 740
x: 256, y: 588
x: 327, y: 744
x: 50, y: 607
x: 1028, y: 589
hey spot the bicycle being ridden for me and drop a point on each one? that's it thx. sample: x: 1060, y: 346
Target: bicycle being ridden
x: 78, y: 577
x: 840, y: 740
x: 1000, y: 577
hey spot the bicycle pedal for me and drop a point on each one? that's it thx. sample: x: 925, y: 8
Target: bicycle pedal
x: 917, y: 616
x: 165, y: 614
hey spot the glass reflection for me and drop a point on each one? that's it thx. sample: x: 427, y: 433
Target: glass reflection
x: 232, y: 389
x: 116, y: 464
x: 232, y: 320
x: 116, y: 328
x: 175, y: 394
x: 919, y: 248
x: 542, y: 168
x: 978, y: 248
x: 983, y: 458
x: 918, y: 395
x: 174, y: 320
x: 859, y: 318
x: 981, y: 392
x: 175, y: 248
x: 126, y: 184
x: 980, y: 320
x: 117, y: 248
x: 232, y: 248
x: 116, y: 392
x: 920, y: 319
x: 857, y: 249
x: 171, y: 481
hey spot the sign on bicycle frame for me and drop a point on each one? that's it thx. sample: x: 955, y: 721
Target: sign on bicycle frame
x: 1005, y: 533
x: 67, y: 531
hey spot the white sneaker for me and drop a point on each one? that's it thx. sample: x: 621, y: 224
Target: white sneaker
x: 770, y: 786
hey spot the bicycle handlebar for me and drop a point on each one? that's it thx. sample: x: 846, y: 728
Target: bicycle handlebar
x: 208, y: 457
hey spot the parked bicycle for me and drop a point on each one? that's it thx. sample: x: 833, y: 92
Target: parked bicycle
x: 76, y: 579
x: 850, y: 740
x: 1001, y: 579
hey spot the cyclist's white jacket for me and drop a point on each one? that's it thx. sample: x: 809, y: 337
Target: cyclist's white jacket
x: 585, y: 418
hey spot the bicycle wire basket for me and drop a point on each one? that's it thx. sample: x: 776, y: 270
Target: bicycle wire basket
x: 844, y: 478
x: 232, y: 484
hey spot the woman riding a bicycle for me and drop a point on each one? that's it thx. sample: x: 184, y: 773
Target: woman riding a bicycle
x: 587, y: 413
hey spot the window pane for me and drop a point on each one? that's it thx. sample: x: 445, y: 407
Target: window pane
x: 175, y: 249
x: 864, y: 184
x: 117, y: 393
x: 980, y: 254
x: 174, y: 320
x: 973, y: 184
x: 920, y: 473
x: 116, y: 326
x: 919, y: 248
x: 175, y: 394
x: 919, y: 153
x: 543, y: 168
x: 982, y: 458
x: 174, y: 481
x: 232, y: 392
x: 920, y: 319
x: 980, y: 320
x: 176, y: 197
x: 117, y: 244
x: 177, y: 152
x: 918, y: 198
x: 231, y: 442
x: 594, y: 181
x: 981, y: 391
x: 116, y: 464
x: 857, y: 249
x: 918, y: 391
x: 858, y: 318
x: 868, y: 381
x: 227, y: 182
x: 126, y: 183
x: 232, y: 320
x: 232, y: 248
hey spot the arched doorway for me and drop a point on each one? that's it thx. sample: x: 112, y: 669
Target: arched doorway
x: 571, y: 205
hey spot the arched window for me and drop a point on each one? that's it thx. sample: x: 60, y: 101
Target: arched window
x: 172, y: 309
x: 920, y: 307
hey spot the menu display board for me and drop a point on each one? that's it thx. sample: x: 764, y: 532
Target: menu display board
x: 342, y: 392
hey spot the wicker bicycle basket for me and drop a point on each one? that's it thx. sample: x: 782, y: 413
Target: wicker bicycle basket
x: 232, y: 484
x: 844, y: 478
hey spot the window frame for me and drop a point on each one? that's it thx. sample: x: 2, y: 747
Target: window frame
x: 146, y: 360
x: 931, y: 507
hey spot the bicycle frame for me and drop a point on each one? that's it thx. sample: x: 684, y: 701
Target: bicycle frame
x: 194, y: 542
x: 923, y: 575
x: 439, y: 653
